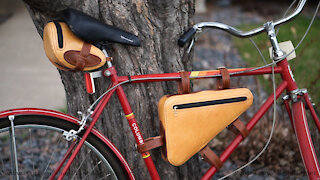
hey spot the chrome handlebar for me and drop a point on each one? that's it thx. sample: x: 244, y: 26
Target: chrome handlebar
x: 234, y: 31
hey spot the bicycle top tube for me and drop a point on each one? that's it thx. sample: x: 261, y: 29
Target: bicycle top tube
x: 197, y: 28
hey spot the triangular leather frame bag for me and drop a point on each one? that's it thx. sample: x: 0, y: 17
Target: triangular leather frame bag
x: 190, y: 121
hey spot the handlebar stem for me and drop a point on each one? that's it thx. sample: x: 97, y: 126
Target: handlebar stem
x: 277, y: 52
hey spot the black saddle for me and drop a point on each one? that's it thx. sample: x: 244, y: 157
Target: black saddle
x: 91, y: 30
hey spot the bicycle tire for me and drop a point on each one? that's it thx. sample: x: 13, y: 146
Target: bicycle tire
x: 94, y: 149
x: 305, y: 143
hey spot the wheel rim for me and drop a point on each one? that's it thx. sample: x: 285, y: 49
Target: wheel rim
x: 31, y: 167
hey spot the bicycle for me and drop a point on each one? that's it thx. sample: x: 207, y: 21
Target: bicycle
x: 31, y: 123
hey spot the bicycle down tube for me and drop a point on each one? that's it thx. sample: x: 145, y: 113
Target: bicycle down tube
x: 287, y: 84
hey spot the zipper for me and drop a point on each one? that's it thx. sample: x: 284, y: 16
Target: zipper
x: 175, y: 110
x: 209, y: 103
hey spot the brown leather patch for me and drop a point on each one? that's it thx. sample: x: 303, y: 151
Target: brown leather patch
x: 80, y: 63
x: 73, y: 56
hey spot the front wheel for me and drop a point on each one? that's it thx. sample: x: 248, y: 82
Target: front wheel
x: 306, y: 147
x: 32, y: 146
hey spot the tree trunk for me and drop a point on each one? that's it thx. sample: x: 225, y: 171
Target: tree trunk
x: 158, y: 24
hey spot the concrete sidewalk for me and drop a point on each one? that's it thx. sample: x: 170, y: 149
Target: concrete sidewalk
x: 27, y: 77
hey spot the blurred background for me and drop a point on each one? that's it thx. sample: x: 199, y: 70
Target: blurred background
x: 29, y: 80
x: 215, y: 48
x: 27, y: 77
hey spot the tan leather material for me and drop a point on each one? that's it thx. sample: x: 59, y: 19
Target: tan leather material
x: 184, y: 83
x: 93, y: 57
x: 150, y: 143
x: 239, y: 127
x: 188, y: 130
x: 61, y: 66
x: 209, y: 156
x: 224, y: 81
x: 164, y: 147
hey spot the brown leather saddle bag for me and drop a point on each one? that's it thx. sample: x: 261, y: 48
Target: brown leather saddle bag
x: 67, y: 52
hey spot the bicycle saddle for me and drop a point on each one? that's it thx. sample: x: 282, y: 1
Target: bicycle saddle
x: 91, y: 30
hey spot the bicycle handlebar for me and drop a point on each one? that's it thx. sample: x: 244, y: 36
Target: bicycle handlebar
x: 190, y: 33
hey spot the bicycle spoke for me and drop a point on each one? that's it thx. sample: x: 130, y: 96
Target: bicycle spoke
x: 2, y: 161
x: 51, y: 157
x: 105, y: 176
x: 81, y: 164
x: 14, y: 160
x: 37, y: 150
x: 92, y: 169
x: 32, y: 153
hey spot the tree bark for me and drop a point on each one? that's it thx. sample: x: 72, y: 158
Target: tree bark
x: 158, y: 24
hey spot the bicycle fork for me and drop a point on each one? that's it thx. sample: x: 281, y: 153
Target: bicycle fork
x: 297, y: 114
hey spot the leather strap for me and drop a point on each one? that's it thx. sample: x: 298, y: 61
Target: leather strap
x: 109, y: 59
x: 211, y: 157
x: 80, y: 63
x: 184, y: 83
x: 224, y: 81
x: 150, y: 143
x: 239, y: 127
x: 81, y: 60
x: 85, y: 51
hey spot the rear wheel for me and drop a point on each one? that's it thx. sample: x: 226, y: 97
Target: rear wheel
x: 31, y: 147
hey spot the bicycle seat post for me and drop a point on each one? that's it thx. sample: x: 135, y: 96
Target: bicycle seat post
x: 277, y: 52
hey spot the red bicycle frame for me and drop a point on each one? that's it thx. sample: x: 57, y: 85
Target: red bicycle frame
x: 297, y: 116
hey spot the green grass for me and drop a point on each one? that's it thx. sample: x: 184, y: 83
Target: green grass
x: 305, y: 67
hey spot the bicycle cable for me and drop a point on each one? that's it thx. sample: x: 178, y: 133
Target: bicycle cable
x: 271, y: 133
x: 285, y: 13
x: 218, y: 75
x: 234, y: 73
x: 274, y: 96
x: 276, y: 61
x: 307, y: 31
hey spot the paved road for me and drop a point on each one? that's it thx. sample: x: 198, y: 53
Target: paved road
x: 27, y: 77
